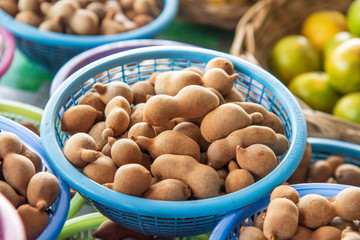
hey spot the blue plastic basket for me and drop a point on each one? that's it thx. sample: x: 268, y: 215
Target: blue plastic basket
x: 323, y: 148
x: 61, y: 206
x: 167, y: 218
x: 229, y: 227
x: 51, y: 50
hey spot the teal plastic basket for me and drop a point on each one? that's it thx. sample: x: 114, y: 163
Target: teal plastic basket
x: 229, y: 227
x: 60, y: 208
x: 169, y: 218
x: 322, y: 148
x: 51, y: 50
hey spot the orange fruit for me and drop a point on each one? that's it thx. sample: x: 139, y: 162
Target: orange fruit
x: 336, y: 41
x: 315, y: 90
x: 343, y: 66
x: 319, y: 27
x: 348, y: 107
x: 293, y: 55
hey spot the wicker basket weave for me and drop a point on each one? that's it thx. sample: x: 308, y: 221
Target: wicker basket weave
x: 269, y: 20
x: 266, y: 22
x: 222, y: 15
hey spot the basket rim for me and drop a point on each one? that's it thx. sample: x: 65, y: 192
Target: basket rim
x: 21, y: 109
x: 11, y: 224
x: 334, y: 146
x: 184, y: 209
x: 231, y: 219
x: 28, y: 32
x: 81, y: 223
x: 30, y: 139
x: 73, y: 64
x: 9, y: 50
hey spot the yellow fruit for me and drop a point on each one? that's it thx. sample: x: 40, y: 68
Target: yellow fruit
x: 336, y: 41
x: 348, y: 107
x: 293, y: 55
x: 319, y: 27
x: 315, y: 90
x: 343, y: 66
x: 353, y: 18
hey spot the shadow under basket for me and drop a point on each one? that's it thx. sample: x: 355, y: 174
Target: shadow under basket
x: 170, y: 218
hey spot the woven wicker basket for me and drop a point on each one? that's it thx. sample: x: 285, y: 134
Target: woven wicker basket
x: 269, y: 20
x: 222, y: 15
x: 266, y: 22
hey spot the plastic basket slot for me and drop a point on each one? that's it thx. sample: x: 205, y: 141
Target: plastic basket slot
x: 116, y: 74
x: 180, y: 63
x: 69, y: 102
x: 145, y: 74
x: 60, y: 135
x: 160, y: 64
x: 101, y: 77
x: 87, y: 86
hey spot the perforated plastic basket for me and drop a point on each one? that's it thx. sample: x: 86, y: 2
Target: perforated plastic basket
x: 51, y: 50
x: 7, y: 49
x: 11, y: 226
x: 167, y: 218
x: 96, y: 53
x: 323, y: 148
x: 61, y: 206
x: 229, y: 227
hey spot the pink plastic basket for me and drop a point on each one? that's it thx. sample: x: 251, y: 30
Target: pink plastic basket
x: 11, y: 226
x: 7, y: 55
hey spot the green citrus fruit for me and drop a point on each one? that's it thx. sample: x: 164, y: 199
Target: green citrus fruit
x: 292, y: 55
x: 343, y: 66
x: 348, y: 107
x: 353, y: 18
x: 336, y: 41
x: 320, y: 26
x: 315, y: 90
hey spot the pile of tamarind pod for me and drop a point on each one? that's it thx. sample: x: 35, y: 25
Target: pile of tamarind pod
x: 83, y: 17
x: 332, y: 169
x: 310, y: 217
x: 23, y: 183
x: 179, y: 135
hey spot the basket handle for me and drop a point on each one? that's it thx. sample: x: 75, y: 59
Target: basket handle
x: 244, y: 41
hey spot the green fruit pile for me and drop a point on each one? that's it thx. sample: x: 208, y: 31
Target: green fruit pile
x: 321, y: 66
